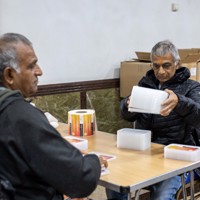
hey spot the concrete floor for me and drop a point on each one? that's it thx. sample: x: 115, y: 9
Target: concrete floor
x: 99, y: 194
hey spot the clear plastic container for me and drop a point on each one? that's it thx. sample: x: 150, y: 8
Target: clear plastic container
x: 133, y: 139
x: 182, y: 152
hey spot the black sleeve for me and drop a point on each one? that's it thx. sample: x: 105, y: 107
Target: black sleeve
x: 54, y: 160
x: 188, y: 106
x: 129, y: 116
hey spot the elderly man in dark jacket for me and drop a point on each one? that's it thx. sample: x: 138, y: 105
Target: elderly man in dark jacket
x: 36, y: 160
x: 179, y: 120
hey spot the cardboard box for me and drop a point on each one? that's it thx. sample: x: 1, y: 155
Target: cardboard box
x: 189, y: 58
x: 193, y: 69
x: 189, y: 55
x: 198, y: 70
x: 130, y: 74
x: 186, y: 55
x: 143, y: 56
x: 132, y: 71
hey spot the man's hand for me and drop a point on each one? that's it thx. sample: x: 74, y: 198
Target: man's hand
x: 103, y: 162
x: 170, y: 103
x: 128, y: 101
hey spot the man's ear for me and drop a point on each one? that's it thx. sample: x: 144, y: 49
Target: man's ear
x: 178, y: 65
x: 8, y: 73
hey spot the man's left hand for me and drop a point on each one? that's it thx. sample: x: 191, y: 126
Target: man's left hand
x: 170, y: 103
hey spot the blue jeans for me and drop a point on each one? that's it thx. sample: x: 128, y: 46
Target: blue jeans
x: 115, y: 195
x: 165, y: 190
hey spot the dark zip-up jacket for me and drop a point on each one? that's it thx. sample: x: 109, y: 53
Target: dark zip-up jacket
x: 37, y: 161
x: 179, y: 126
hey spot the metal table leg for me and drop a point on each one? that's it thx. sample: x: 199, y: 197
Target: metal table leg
x: 183, y: 187
x: 192, y: 185
x: 129, y: 196
x: 137, y: 194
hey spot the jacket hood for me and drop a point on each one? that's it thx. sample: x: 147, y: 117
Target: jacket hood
x: 4, y: 94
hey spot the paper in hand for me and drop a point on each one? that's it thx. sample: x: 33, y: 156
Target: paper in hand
x: 107, y: 157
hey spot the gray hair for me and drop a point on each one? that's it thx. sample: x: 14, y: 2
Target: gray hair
x: 8, y: 51
x: 165, y: 47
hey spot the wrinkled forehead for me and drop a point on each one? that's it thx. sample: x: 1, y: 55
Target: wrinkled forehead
x: 164, y: 58
x: 25, y: 54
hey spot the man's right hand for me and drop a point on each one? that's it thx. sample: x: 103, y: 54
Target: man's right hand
x: 103, y: 162
x: 128, y: 101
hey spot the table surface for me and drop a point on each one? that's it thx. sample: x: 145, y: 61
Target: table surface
x: 132, y: 169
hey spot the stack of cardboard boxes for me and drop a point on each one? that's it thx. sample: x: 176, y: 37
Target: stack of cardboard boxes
x: 132, y: 71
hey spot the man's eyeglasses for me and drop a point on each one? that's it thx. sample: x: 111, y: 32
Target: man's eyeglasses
x: 165, y: 66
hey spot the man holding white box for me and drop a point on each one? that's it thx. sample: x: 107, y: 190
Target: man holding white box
x: 179, y: 118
